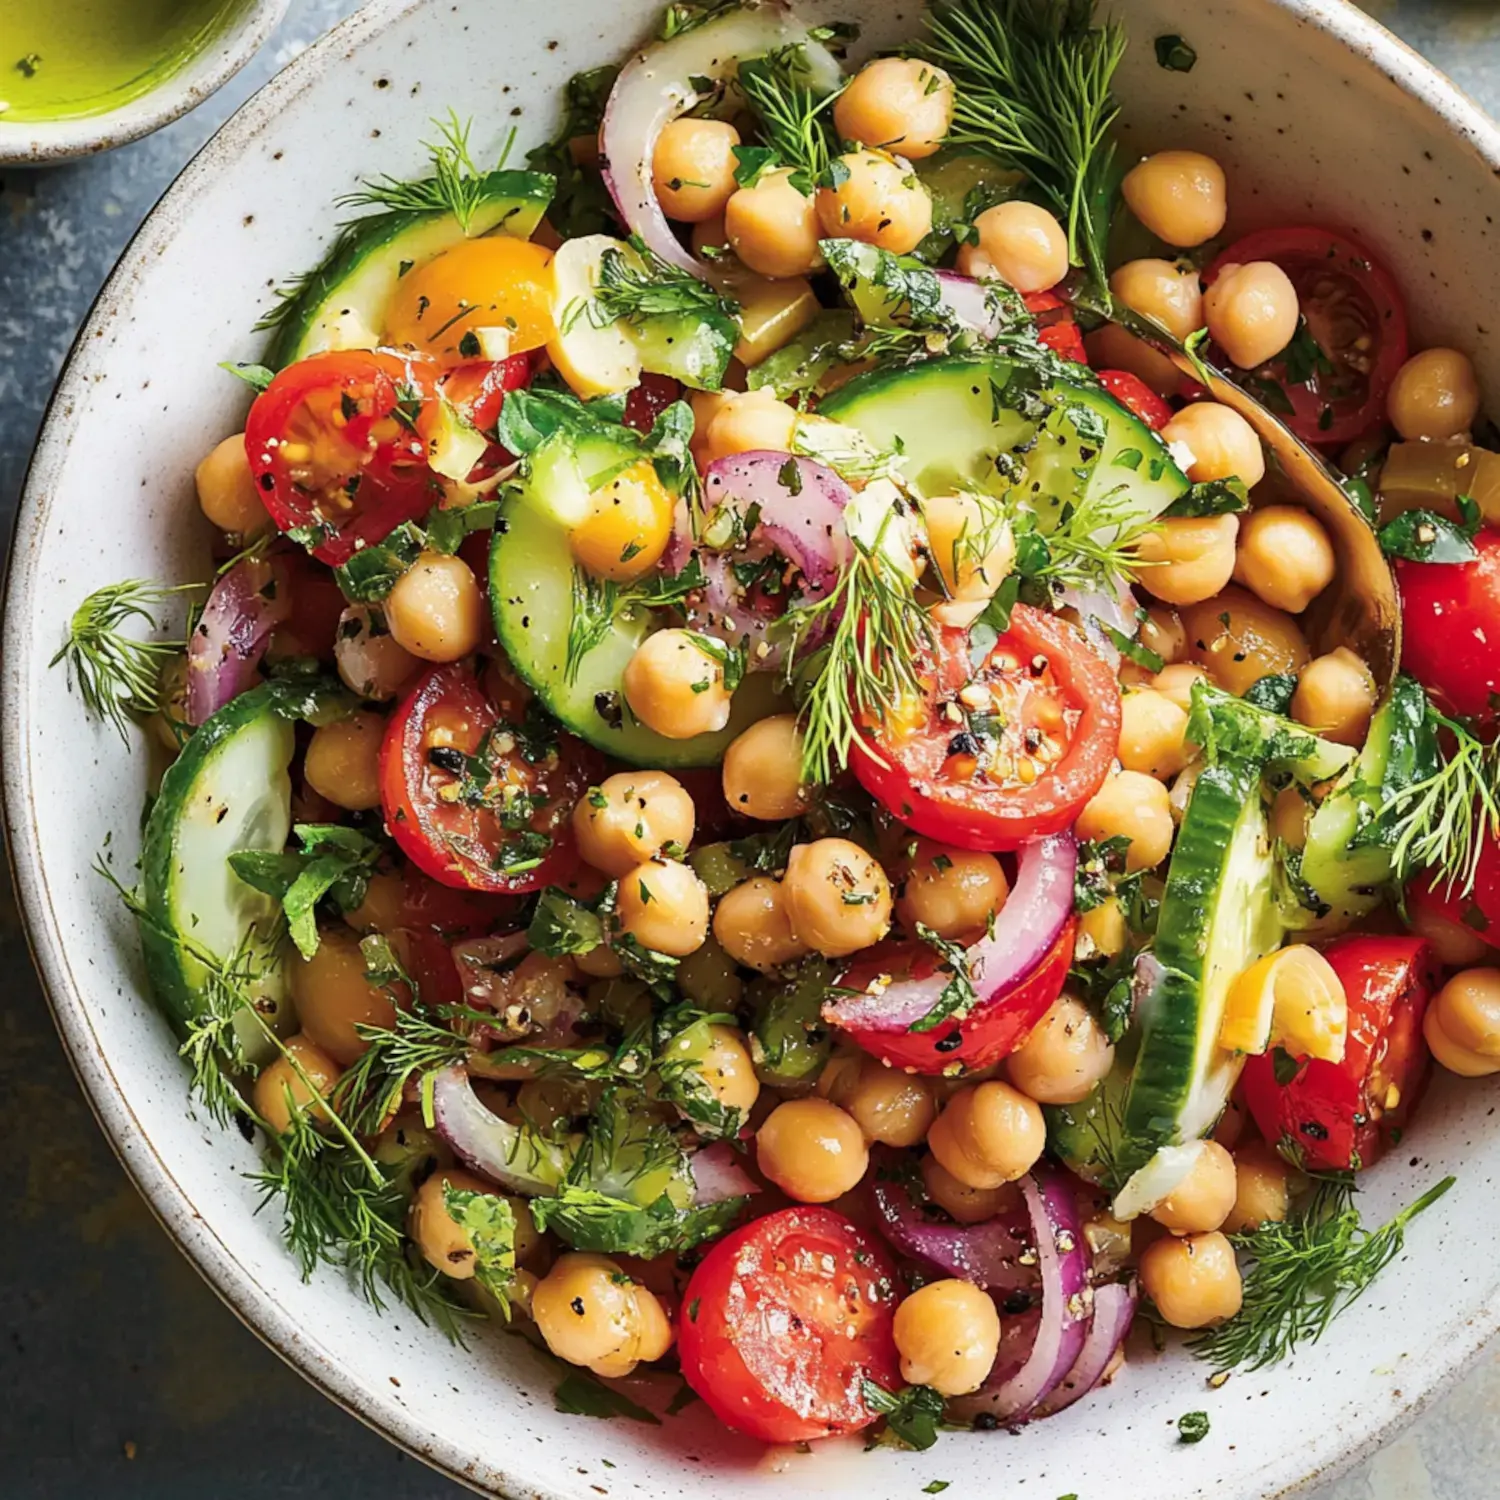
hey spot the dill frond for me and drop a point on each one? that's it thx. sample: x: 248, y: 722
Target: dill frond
x: 372, y: 1090
x: 626, y: 294
x: 795, y: 118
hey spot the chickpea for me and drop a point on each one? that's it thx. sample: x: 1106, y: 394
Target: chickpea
x: 1202, y: 1200
x: 1231, y: 1125
x: 1238, y: 640
x: 1135, y: 806
x: 1102, y: 930
x: 628, y: 525
x: 1251, y: 312
x: 952, y: 891
x: 748, y: 423
x: 227, y: 490
x: 1176, y: 683
x: 280, y: 1086
x: 709, y: 236
x: 333, y: 996
x: 1019, y: 242
x: 1469, y: 1008
x: 1222, y: 442
x: 383, y: 907
x: 444, y: 1243
x: 1261, y: 1194
x: 370, y: 660
x: 891, y: 1107
x: 1065, y: 1055
x: 1189, y: 558
x: 973, y: 548
x: 1193, y: 1281
x: 1456, y: 944
x: 773, y: 228
x: 763, y: 770
x: 1153, y: 733
x: 879, y: 201
x: 436, y: 610
x: 1456, y: 1058
x: 753, y: 926
x: 1435, y: 395
x: 965, y: 1204
x: 343, y: 761
x: 1110, y: 347
x: 721, y: 1060
x: 705, y: 406
x: 675, y: 687
x: 601, y: 962
x: 1285, y: 556
x: 947, y: 1334
x: 1168, y: 293
x: 837, y: 896
x: 1290, y: 814
x: 589, y: 1312
x: 631, y: 817
x: 1162, y: 631
x: 1336, y: 697
x: 897, y: 104
x: 1179, y: 196
x: 987, y: 1134
x: 692, y: 168
x: 811, y: 1150
x: 664, y: 906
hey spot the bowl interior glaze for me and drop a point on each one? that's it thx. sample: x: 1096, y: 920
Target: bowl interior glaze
x: 1318, y: 116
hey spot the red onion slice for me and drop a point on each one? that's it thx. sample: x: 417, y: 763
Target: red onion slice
x: 1013, y: 1394
x: 664, y: 80
x: 718, y: 1175
x: 491, y: 1146
x: 244, y: 608
x: 1039, y: 904
x: 970, y: 303
x: 1114, y: 1310
x: 1098, y: 608
x: 988, y: 1254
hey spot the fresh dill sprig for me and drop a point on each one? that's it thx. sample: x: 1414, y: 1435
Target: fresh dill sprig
x: 456, y: 185
x: 869, y: 665
x: 1032, y: 86
x: 118, y: 674
x: 1304, y: 1272
x: 599, y: 602
x: 1096, y: 544
x: 627, y: 294
x: 795, y: 117
x: 372, y: 1090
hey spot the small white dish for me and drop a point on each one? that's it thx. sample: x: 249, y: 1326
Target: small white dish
x: 1318, y: 115
x: 35, y: 143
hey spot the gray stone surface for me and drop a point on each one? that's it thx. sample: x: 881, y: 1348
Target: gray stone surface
x: 120, y: 1374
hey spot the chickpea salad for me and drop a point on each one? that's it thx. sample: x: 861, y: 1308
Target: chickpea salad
x: 768, y: 786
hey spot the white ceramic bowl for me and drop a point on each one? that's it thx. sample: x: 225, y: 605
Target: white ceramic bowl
x: 1316, y: 112
x: 37, y: 142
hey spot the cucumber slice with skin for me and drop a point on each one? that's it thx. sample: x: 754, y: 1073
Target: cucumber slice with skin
x: 341, y: 305
x: 953, y: 425
x: 1218, y: 916
x: 532, y: 594
x: 229, y: 790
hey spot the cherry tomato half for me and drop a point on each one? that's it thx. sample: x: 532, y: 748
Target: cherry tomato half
x: 1449, y: 639
x: 462, y: 798
x: 1057, y: 329
x: 1136, y: 397
x: 1432, y: 905
x: 1017, y: 770
x: 1332, y: 390
x: 1343, y: 1116
x: 333, y: 445
x: 478, y: 390
x: 785, y: 1320
x: 993, y: 1031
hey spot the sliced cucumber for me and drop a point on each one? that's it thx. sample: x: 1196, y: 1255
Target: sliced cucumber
x: 533, y: 584
x: 1218, y: 916
x: 341, y: 305
x: 229, y: 790
x: 1086, y: 1137
x: 962, y: 185
x: 956, y: 426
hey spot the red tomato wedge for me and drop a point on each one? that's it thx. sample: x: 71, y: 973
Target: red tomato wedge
x: 1018, y: 769
x: 784, y: 1320
x: 470, y: 800
x: 1343, y: 1116
x: 333, y: 445
x: 1333, y: 389
x: 1136, y: 397
x: 994, y: 1030
x: 1057, y: 329
x: 1450, y: 628
x: 478, y: 390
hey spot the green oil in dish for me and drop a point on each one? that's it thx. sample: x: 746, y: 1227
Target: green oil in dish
x: 63, y: 58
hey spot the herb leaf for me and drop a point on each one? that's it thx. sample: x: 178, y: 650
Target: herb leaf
x: 912, y: 1415
x: 1425, y: 536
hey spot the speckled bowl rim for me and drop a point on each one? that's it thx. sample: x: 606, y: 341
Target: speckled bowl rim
x: 37, y: 143
x: 152, y: 1173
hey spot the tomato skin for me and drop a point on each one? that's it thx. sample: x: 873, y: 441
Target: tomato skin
x: 478, y: 389
x: 785, y: 1318
x: 1136, y: 397
x: 1335, y: 1113
x: 317, y: 604
x: 994, y: 1030
x: 1478, y: 912
x: 428, y: 828
x: 988, y: 816
x: 649, y: 400
x: 1450, y: 643
x: 429, y: 906
x: 1310, y: 255
x: 429, y: 961
x: 1057, y: 329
